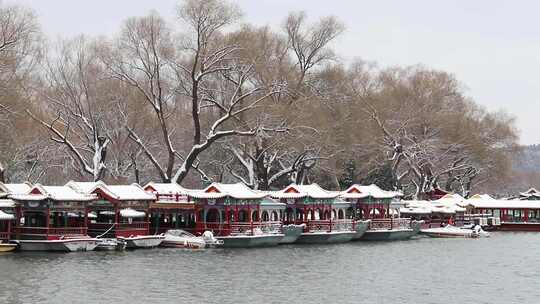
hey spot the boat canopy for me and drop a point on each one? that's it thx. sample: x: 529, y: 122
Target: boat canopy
x: 128, y: 212
x: 6, y: 216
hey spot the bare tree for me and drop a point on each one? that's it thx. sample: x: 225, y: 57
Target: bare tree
x: 20, y: 45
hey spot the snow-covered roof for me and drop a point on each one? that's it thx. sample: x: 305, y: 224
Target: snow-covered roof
x: 132, y: 192
x: 21, y: 188
x: 427, y: 207
x: 57, y: 193
x: 360, y: 191
x: 166, y: 188
x: 300, y: 191
x: 492, y: 203
x: 219, y: 190
x: 85, y: 187
x: 531, y: 193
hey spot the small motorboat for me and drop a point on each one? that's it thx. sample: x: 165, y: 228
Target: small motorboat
x: 7, y: 247
x: 210, y: 240
x: 177, y: 238
x: 111, y: 244
x: 450, y: 231
x: 142, y: 241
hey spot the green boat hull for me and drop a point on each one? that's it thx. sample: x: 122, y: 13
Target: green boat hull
x: 388, y: 235
x: 326, y: 237
x: 360, y: 229
x: 244, y: 241
x: 292, y: 233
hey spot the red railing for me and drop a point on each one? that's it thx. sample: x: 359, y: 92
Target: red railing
x: 390, y: 223
x: 4, y: 236
x: 119, y: 229
x: 44, y: 231
x: 330, y: 225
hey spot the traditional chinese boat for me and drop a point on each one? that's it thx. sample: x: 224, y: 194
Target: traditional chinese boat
x: 518, y: 214
x: 322, y: 216
x: 381, y: 208
x: 237, y: 215
x: 173, y: 208
x: 52, y: 218
x: 121, y: 212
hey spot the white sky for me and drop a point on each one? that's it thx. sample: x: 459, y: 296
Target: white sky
x: 492, y: 46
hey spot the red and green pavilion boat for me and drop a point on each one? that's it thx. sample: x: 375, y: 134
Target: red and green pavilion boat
x: 520, y: 214
x: 120, y: 211
x: 7, y: 213
x: 322, y: 216
x: 52, y: 218
x: 173, y: 208
x: 238, y: 215
x: 381, y: 208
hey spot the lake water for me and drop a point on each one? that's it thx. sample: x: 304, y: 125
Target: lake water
x: 502, y: 269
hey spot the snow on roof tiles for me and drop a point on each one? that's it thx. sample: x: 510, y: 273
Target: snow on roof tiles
x: 300, y: 191
x: 360, y: 191
x: 17, y: 188
x: 131, y: 192
x: 217, y: 190
x: 56, y: 193
x: 166, y: 188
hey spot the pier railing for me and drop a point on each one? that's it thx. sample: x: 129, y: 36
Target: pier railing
x: 390, y: 223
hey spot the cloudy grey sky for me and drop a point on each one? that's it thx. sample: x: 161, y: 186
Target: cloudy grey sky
x: 492, y: 46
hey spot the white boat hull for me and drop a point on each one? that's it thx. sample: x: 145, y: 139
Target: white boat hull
x: 143, y: 241
x: 66, y: 245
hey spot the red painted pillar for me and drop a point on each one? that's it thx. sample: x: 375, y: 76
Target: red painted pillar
x: 526, y: 216
x: 9, y: 230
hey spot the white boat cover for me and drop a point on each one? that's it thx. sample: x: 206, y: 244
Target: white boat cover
x: 6, y: 216
x: 128, y: 212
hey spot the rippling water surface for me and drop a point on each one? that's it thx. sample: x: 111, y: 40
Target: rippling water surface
x: 502, y: 269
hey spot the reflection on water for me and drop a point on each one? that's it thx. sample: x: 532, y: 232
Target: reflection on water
x: 501, y: 269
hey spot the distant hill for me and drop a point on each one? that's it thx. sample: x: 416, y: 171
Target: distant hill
x: 528, y: 159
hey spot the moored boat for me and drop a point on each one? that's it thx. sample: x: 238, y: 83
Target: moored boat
x: 238, y: 215
x: 111, y: 244
x: 450, y: 231
x: 324, y: 217
x: 178, y: 238
x: 52, y: 218
x: 142, y: 241
x: 71, y: 244
x: 7, y: 247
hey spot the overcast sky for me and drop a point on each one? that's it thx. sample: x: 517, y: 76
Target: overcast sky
x: 492, y: 46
